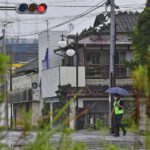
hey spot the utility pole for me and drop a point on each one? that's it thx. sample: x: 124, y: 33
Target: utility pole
x: 112, y: 52
x: 77, y: 78
x: 5, y: 81
x: 5, y: 77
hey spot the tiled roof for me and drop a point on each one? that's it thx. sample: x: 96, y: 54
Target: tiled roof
x: 125, y: 22
x: 97, y: 91
x: 30, y: 67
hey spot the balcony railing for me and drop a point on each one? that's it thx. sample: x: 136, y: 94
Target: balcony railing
x: 102, y: 71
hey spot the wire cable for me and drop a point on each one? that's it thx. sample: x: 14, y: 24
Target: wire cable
x: 77, y: 17
x: 68, y: 21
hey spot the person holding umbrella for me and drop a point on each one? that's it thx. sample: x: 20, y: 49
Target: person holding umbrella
x: 118, y: 108
x: 117, y: 113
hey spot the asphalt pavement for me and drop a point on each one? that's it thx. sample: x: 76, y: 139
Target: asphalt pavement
x: 94, y: 140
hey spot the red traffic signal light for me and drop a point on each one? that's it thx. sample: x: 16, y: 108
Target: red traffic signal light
x: 31, y: 8
x: 42, y: 7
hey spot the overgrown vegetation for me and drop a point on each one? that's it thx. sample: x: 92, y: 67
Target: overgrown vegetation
x: 4, y: 60
x: 141, y: 73
x: 141, y: 76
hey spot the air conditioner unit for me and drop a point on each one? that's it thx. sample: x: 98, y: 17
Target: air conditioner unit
x: 35, y: 85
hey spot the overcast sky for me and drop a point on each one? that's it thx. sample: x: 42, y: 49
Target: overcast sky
x: 30, y: 24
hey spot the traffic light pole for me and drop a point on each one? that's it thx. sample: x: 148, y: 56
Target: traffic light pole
x: 7, y: 8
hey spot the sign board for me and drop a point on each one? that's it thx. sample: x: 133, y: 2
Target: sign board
x: 52, y: 100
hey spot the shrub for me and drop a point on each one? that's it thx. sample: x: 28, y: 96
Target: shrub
x: 99, y: 124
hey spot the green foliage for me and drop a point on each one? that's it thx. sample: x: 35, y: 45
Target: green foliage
x: 99, y: 124
x: 113, y: 147
x: 141, y: 42
x: 26, y: 121
x: 4, y: 60
x: 141, y: 39
x: 141, y: 80
x: 141, y: 74
x: 4, y: 147
x: 44, y: 138
x: 141, y: 36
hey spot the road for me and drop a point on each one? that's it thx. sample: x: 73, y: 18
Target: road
x: 94, y: 140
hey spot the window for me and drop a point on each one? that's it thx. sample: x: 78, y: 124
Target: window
x: 92, y: 58
x: 105, y: 57
x: 119, y: 57
x: 69, y: 61
x: 97, y: 57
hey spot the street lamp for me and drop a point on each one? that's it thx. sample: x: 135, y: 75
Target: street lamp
x: 71, y: 52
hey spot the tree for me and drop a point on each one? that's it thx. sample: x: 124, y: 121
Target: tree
x: 141, y: 59
x: 141, y: 36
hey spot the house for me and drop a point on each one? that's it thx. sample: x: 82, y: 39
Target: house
x: 93, y: 69
x: 95, y: 55
x: 21, y: 51
x: 25, y: 94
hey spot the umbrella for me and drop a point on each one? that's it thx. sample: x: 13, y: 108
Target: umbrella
x: 117, y: 90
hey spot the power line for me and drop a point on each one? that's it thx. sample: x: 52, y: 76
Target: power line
x: 78, y: 6
x: 56, y: 17
x: 47, y: 18
x: 72, y: 19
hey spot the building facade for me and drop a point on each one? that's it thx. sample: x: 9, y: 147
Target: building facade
x: 25, y: 94
x: 94, y: 55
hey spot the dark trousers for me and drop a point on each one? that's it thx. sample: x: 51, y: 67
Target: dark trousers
x: 118, y: 124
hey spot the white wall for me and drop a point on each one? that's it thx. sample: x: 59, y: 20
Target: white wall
x: 2, y: 114
x: 68, y: 75
x: 23, y: 82
x: 51, y: 43
x: 50, y: 82
x: 53, y: 77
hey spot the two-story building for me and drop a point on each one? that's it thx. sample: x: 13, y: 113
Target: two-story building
x: 94, y: 54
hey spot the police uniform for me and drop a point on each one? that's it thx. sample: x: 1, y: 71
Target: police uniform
x: 118, y: 115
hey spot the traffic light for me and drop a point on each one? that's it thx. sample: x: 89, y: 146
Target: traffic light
x: 31, y: 8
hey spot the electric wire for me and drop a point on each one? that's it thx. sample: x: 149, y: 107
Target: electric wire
x: 72, y: 19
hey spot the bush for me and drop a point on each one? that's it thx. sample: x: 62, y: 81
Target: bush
x: 99, y: 124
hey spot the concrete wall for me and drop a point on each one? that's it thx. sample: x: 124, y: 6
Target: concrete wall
x: 36, y: 113
x: 49, y: 82
x: 24, y: 82
x: 49, y: 40
x: 21, y: 83
x: 2, y: 114
x: 53, y: 77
